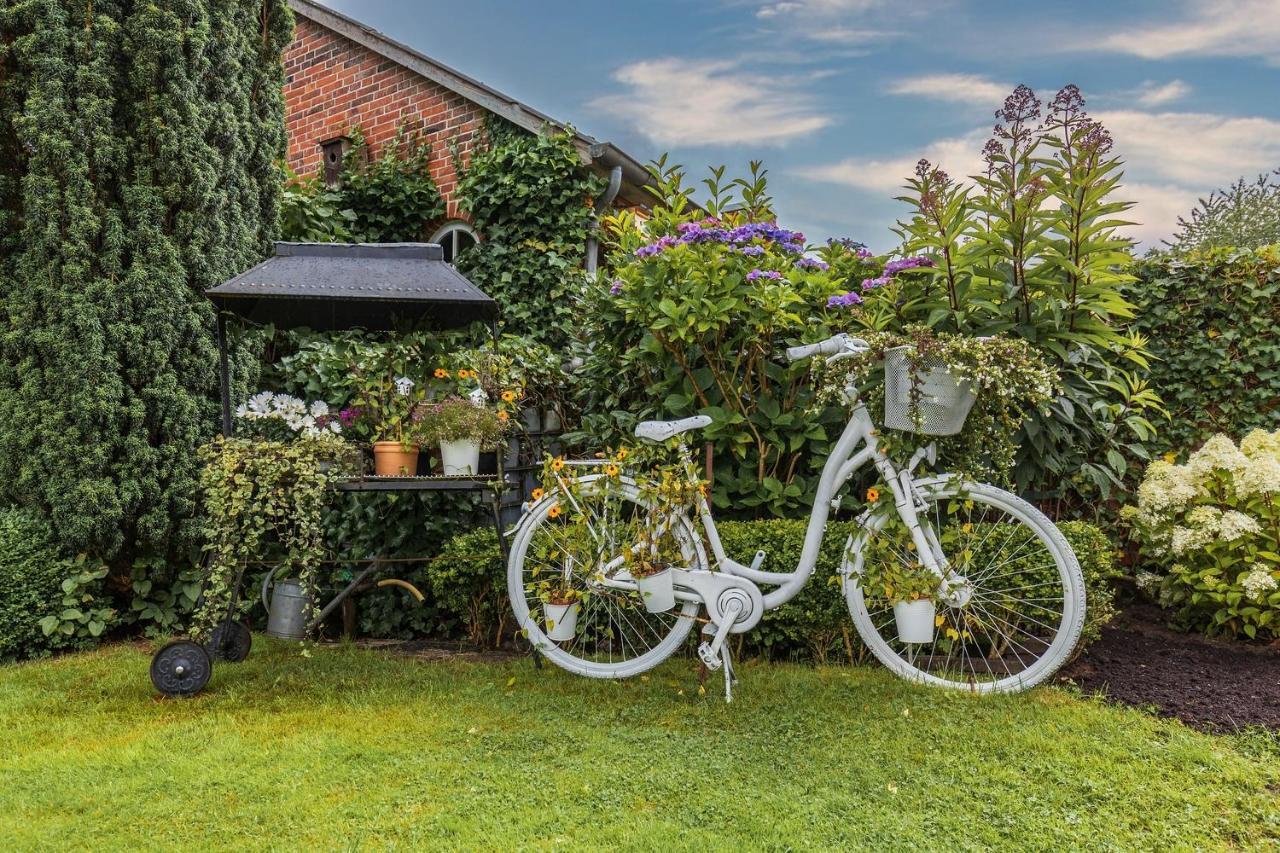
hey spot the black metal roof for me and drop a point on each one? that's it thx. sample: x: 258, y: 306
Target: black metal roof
x: 331, y: 286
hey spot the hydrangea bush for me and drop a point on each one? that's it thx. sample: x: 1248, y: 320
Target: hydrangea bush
x: 1210, y: 535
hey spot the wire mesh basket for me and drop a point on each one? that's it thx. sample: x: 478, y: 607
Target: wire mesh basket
x: 944, y: 401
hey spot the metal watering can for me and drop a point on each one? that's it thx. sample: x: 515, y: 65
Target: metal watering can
x: 286, y: 608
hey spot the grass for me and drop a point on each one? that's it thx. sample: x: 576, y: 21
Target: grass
x: 352, y: 748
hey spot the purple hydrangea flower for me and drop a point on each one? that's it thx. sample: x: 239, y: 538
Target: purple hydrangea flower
x: 811, y: 264
x: 871, y: 283
x: 895, y: 267
x: 749, y: 251
x: 757, y: 274
x: 847, y: 300
x: 616, y: 287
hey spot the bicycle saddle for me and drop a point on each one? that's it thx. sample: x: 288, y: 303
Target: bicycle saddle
x: 662, y: 430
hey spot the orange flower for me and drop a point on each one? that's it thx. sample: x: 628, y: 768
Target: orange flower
x: 557, y: 464
x: 502, y: 416
x: 441, y: 373
x: 611, y: 470
x: 537, y: 494
x: 873, y: 494
x: 554, y: 512
x: 508, y: 396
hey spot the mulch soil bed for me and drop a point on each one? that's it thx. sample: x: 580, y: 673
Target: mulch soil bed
x: 1213, y: 685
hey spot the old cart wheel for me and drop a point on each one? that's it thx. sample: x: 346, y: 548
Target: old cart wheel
x: 230, y: 642
x: 181, y: 668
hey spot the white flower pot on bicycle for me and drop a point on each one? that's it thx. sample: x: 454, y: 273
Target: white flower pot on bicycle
x: 1010, y: 596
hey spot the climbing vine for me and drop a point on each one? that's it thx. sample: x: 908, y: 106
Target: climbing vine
x: 531, y: 199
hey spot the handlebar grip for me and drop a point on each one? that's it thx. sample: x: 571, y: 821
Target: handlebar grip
x: 830, y: 346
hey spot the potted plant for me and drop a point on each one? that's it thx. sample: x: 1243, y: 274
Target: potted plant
x: 387, y: 405
x: 560, y: 605
x: 655, y: 554
x: 461, y: 428
x: 910, y: 587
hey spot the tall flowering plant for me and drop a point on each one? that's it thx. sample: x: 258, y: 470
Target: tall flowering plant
x: 695, y: 318
x: 1209, y: 531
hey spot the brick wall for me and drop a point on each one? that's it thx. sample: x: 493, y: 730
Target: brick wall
x: 333, y: 84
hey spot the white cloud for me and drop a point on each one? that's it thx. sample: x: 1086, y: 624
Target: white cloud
x: 815, y: 8
x: 1208, y: 28
x: 708, y: 102
x: 1153, y: 94
x: 1200, y: 150
x: 960, y: 156
x: 1156, y: 209
x: 956, y: 88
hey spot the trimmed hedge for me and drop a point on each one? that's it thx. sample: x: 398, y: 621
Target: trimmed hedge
x: 467, y: 584
x: 1213, y: 320
x: 31, y: 575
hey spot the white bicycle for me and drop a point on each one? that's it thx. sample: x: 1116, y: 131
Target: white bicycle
x: 1009, y: 612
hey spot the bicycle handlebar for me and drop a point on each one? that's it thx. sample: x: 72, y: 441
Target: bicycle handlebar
x: 831, y: 346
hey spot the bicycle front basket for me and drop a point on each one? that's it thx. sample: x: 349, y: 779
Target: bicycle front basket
x: 944, y: 402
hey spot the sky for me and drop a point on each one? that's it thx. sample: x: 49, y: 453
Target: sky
x: 840, y: 98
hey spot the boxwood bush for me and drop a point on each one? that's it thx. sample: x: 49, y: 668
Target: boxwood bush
x: 467, y: 584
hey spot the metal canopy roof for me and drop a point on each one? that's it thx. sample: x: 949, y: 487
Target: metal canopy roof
x: 331, y: 286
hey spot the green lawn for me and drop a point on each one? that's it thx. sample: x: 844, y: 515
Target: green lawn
x: 351, y: 748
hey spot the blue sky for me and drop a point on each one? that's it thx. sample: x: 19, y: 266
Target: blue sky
x: 841, y: 97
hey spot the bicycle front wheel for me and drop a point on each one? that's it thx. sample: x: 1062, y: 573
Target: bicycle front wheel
x: 615, y: 635
x: 1021, y: 607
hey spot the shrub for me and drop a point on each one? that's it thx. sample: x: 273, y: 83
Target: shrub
x: 468, y: 586
x: 32, y: 576
x: 1212, y: 321
x: 1246, y: 215
x: 1208, y: 536
x: 695, y: 322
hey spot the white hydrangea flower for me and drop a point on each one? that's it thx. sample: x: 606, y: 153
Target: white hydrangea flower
x: 403, y: 385
x: 1235, y: 524
x: 1184, y: 539
x: 1148, y: 582
x: 1260, y: 443
x: 1258, y: 582
x: 1165, y: 488
x: 1205, y: 518
x: 1219, y: 453
x: 1262, y: 476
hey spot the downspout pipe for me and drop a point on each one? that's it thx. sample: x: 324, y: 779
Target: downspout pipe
x: 603, y: 201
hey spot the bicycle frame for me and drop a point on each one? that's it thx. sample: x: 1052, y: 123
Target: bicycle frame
x: 845, y: 459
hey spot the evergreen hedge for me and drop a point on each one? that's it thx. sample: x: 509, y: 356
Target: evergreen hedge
x: 140, y: 143
x: 1213, y: 324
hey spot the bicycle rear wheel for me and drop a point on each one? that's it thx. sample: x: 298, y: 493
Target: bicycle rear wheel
x: 1024, y: 608
x: 615, y: 635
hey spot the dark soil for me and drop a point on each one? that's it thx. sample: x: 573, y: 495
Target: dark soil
x: 1214, y: 685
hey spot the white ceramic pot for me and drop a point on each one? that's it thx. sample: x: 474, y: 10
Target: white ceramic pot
x: 658, y: 591
x: 915, y: 620
x: 561, y: 620
x: 460, y: 457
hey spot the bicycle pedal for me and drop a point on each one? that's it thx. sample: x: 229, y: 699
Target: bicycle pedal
x: 709, y: 658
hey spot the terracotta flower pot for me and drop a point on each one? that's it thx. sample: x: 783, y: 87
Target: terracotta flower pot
x: 392, y: 459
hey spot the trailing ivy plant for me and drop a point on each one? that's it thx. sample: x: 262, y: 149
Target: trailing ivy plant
x: 531, y: 199
x: 255, y: 491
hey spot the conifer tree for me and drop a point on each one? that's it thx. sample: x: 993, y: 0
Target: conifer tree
x: 140, y: 143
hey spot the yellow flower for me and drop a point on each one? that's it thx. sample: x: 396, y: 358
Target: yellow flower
x: 554, y: 512
x: 611, y: 470
x: 502, y: 416
x: 441, y: 373
x: 557, y: 464
x: 622, y: 453
x: 537, y: 494
x: 873, y: 494
x: 508, y: 396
